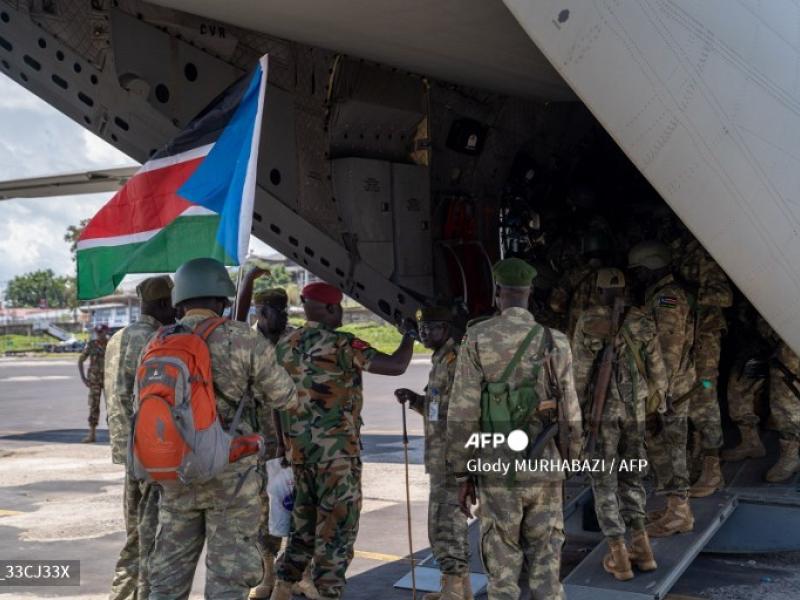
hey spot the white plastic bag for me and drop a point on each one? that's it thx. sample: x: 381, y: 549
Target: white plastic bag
x: 280, y: 489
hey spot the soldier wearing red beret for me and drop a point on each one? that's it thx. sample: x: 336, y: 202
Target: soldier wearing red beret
x: 326, y: 366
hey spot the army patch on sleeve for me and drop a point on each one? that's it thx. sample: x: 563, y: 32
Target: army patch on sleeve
x: 667, y: 301
x: 358, y: 344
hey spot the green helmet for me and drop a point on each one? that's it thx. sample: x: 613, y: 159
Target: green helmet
x: 650, y: 254
x: 202, y: 278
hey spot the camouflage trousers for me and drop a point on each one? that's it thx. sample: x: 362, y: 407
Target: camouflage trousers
x: 221, y: 513
x: 784, y: 406
x: 447, y: 526
x: 619, y: 496
x: 704, y: 402
x: 325, y: 517
x: 140, y: 502
x: 95, y: 392
x: 743, y: 393
x: 665, y: 440
x: 522, y: 524
x: 269, y: 543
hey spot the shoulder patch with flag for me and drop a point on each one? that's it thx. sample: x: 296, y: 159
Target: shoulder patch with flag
x: 192, y: 199
x: 666, y: 301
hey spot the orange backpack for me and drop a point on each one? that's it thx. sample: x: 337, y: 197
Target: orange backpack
x: 176, y: 433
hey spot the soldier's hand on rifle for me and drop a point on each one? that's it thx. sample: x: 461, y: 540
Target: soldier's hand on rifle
x: 466, y: 497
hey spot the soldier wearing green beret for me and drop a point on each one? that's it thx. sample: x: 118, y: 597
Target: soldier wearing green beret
x: 447, y: 527
x: 523, y: 519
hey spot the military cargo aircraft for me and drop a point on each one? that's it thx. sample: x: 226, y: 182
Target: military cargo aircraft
x: 407, y: 145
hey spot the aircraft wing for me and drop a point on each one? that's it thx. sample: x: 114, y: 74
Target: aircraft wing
x: 87, y: 182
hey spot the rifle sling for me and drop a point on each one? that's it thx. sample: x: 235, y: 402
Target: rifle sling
x: 512, y: 366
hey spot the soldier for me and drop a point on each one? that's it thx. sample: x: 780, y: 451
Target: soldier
x: 638, y: 374
x: 95, y: 351
x: 447, y: 526
x: 713, y: 293
x: 222, y: 511
x: 325, y: 444
x: 667, y: 303
x: 576, y: 291
x: 272, y: 322
x: 546, y: 278
x: 747, y: 381
x: 784, y: 404
x: 525, y: 521
x: 140, y: 498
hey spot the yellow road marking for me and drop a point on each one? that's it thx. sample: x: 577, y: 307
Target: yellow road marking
x: 9, y: 513
x: 380, y: 556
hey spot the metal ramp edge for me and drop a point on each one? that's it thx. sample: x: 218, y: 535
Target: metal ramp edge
x: 673, y: 554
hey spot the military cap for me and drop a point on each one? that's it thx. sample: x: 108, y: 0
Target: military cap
x: 154, y: 288
x: 434, y: 313
x: 275, y: 297
x: 610, y: 279
x: 322, y: 292
x: 513, y: 272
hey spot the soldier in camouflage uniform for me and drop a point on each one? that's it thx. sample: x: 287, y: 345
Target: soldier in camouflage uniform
x: 638, y: 377
x: 140, y: 498
x: 272, y: 322
x: 784, y: 404
x: 324, y: 440
x: 95, y: 351
x: 223, y: 511
x: 522, y: 517
x: 543, y: 284
x: 747, y: 382
x: 447, y: 526
x: 667, y: 303
x: 713, y: 293
x: 576, y: 291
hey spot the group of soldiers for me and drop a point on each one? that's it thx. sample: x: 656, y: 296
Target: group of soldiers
x: 622, y: 362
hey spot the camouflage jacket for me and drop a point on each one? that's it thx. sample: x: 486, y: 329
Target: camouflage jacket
x: 435, y: 405
x: 95, y: 351
x: 244, y: 369
x: 712, y: 290
x: 575, y: 293
x: 487, y: 348
x: 326, y: 366
x: 628, y: 383
x: 668, y: 305
x: 122, y: 358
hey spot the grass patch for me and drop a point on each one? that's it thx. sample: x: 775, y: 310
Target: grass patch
x: 21, y: 343
x: 384, y: 338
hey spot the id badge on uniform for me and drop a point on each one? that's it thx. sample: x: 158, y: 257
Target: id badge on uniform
x: 433, y: 410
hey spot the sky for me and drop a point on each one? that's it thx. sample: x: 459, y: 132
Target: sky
x: 37, y: 140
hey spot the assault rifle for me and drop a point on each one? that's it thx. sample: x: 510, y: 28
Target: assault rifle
x: 603, y: 379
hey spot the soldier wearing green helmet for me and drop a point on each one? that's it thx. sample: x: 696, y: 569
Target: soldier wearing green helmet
x: 244, y: 369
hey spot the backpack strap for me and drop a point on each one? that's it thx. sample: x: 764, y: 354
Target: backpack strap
x: 206, y: 327
x: 512, y: 366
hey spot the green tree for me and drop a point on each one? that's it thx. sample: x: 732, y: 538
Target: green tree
x: 278, y: 277
x: 72, y: 235
x: 31, y: 289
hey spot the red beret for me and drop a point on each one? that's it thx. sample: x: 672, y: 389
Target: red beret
x: 322, y: 292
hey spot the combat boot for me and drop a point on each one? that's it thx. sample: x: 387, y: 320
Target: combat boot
x: 677, y: 518
x: 305, y: 587
x: 264, y: 589
x: 710, y: 479
x: 749, y: 447
x: 641, y: 553
x: 788, y: 463
x: 617, y: 562
x: 281, y: 591
x: 436, y: 595
x: 91, y: 437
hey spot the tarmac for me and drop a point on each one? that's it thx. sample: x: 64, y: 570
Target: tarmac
x: 60, y: 499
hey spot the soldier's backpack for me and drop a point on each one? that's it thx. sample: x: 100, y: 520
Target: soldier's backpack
x: 506, y: 407
x: 176, y: 432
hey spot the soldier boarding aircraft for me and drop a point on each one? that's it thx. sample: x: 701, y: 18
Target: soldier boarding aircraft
x: 406, y: 143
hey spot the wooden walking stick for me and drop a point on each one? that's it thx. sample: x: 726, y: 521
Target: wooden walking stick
x: 408, y: 508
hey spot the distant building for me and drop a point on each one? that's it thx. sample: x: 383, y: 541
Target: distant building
x: 115, y: 311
